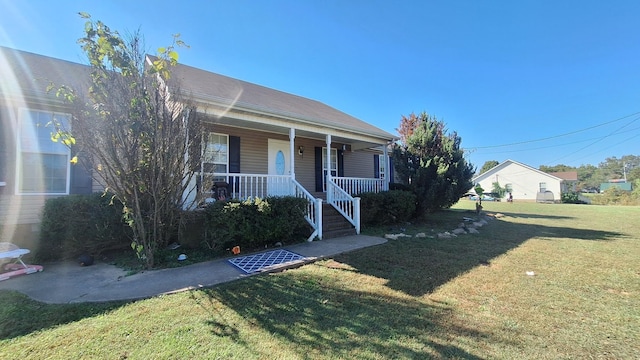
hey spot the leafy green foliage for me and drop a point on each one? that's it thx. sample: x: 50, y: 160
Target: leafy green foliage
x: 254, y: 223
x: 498, y: 190
x: 615, y: 196
x: 488, y: 165
x: 571, y: 197
x: 591, y: 176
x: 78, y: 224
x: 431, y: 162
x: 134, y: 127
x: 387, y: 207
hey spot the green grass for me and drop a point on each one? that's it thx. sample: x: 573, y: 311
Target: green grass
x: 467, y: 298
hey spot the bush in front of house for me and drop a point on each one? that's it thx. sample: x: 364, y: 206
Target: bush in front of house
x: 81, y: 224
x: 254, y: 223
x: 571, y: 198
x: 387, y: 207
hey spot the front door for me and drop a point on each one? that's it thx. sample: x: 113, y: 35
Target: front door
x: 279, y: 164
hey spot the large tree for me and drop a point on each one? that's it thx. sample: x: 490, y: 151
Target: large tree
x: 431, y: 162
x: 488, y: 165
x: 140, y: 135
x: 556, y: 168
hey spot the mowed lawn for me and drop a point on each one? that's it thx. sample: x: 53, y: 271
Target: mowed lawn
x: 468, y: 297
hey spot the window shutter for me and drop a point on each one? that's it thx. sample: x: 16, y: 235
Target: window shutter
x: 376, y: 166
x: 234, y: 160
x: 234, y: 154
x: 391, y: 173
x: 340, y: 162
x: 81, y: 182
x: 318, y: 164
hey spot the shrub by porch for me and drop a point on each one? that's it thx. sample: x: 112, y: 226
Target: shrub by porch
x: 92, y: 224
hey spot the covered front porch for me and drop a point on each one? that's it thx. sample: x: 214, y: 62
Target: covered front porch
x: 265, y: 142
x: 248, y: 163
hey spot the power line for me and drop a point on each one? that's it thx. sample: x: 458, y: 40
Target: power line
x: 556, y: 136
x: 600, y: 139
x: 558, y: 145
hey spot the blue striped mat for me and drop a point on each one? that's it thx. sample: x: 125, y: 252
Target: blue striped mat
x: 257, y: 262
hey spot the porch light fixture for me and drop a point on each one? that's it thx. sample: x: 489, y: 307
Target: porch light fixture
x: 300, y: 150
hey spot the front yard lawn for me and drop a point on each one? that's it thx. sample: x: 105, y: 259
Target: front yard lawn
x: 469, y: 297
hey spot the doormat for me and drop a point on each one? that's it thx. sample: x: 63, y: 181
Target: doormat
x: 259, y: 262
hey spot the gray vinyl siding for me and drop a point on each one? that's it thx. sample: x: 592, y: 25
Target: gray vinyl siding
x: 359, y: 164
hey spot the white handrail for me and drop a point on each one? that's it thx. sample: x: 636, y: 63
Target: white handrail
x: 314, y: 209
x: 346, y: 205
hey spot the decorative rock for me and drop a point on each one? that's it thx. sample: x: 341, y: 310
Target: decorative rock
x: 473, y: 231
x: 396, y: 236
x: 499, y: 215
x: 478, y: 224
x: 446, y: 235
x: 421, y: 235
x: 459, y: 231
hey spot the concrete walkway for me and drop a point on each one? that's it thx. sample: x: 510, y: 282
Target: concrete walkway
x: 70, y: 283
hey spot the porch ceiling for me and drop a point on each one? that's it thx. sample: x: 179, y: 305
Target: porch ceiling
x: 278, y: 125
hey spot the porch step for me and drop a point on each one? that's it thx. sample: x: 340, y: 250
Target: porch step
x: 335, y: 225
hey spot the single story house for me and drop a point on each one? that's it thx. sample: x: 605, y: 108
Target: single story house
x: 525, y: 182
x: 267, y: 142
x: 569, y: 180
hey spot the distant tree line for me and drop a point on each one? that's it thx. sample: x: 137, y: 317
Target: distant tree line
x: 591, y: 176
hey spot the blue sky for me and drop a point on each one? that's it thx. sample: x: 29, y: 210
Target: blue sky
x: 539, y: 82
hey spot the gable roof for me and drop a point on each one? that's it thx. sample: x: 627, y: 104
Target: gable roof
x: 566, y: 175
x: 27, y: 75
x: 209, y: 87
x: 509, y: 162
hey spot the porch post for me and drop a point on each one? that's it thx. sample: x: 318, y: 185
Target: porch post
x: 328, y: 167
x: 328, y: 164
x: 292, y: 152
x: 387, y: 171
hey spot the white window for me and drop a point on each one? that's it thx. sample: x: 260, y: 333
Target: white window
x: 333, y: 165
x: 43, y: 165
x: 508, y: 188
x: 216, y: 156
x: 543, y: 187
x: 381, y: 167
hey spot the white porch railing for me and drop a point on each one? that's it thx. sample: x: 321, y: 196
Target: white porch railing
x: 245, y: 186
x: 314, y: 209
x: 342, y: 201
x: 355, y: 186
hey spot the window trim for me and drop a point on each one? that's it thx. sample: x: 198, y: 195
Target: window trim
x: 541, y: 187
x: 382, y: 166
x: 324, y: 166
x: 204, y: 150
x: 22, y: 114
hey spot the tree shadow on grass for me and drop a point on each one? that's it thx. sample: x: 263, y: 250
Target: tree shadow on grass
x: 312, y: 311
x: 20, y: 315
x: 417, y: 266
x: 537, y: 216
x: 471, y: 213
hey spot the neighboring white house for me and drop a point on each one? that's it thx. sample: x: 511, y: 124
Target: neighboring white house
x: 523, y: 181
